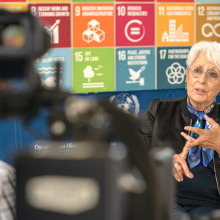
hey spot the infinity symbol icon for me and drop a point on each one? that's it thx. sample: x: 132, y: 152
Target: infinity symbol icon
x: 210, y: 34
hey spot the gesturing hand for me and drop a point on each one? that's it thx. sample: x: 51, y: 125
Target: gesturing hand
x: 207, y: 138
x: 179, y: 160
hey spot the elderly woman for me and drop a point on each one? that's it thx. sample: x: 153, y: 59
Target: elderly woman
x: 190, y: 126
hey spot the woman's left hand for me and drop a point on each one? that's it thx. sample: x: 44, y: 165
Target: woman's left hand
x: 207, y: 138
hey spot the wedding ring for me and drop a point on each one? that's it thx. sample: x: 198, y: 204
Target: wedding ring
x: 175, y: 165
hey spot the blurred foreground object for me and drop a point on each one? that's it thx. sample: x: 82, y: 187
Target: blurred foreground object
x: 21, y: 36
x: 93, y: 181
x: 22, y: 40
x: 7, y: 192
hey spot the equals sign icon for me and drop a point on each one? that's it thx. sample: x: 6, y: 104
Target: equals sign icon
x: 135, y: 31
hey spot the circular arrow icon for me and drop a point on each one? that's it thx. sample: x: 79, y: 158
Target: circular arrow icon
x: 136, y: 30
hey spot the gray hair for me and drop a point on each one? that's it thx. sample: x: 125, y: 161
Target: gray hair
x: 212, y: 49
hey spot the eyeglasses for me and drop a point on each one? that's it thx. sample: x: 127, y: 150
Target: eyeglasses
x: 210, y: 74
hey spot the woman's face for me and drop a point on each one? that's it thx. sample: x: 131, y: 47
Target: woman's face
x: 200, y: 90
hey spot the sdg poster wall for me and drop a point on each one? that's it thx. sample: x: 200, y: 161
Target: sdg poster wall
x: 114, y: 46
x: 128, y: 51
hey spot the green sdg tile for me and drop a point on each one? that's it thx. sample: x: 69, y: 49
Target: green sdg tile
x: 93, y: 70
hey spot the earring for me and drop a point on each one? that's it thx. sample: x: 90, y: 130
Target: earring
x: 185, y: 85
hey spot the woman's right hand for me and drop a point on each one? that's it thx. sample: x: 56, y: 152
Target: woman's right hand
x: 180, y: 166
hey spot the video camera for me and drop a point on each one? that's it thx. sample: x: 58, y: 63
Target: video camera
x: 94, y: 181
x: 22, y: 40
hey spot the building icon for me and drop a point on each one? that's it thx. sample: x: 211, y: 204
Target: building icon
x: 175, y: 34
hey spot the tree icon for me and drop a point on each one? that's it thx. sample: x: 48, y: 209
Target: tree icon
x: 88, y: 73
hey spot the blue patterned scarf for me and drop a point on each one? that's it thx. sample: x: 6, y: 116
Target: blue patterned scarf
x: 194, y: 155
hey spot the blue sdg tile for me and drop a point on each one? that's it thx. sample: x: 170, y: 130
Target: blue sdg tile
x: 171, y: 67
x: 135, y: 69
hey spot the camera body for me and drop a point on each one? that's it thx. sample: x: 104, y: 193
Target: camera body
x: 80, y: 185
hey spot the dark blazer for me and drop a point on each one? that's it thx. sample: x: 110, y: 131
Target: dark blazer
x: 165, y: 119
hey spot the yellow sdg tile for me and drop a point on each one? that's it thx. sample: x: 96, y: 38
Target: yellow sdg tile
x: 13, y: 7
x: 175, y: 24
x: 207, y: 22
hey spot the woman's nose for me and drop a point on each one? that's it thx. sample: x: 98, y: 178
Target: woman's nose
x: 203, y: 78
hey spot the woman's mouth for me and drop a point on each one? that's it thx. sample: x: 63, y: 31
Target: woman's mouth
x: 200, y: 91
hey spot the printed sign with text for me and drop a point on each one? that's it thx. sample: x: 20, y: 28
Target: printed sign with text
x: 93, y: 25
x: 207, y: 1
x: 175, y: 24
x: 93, y: 70
x: 208, y: 22
x: 133, y: 0
x: 135, y: 24
x: 12, y: 0
x: 92, y: 1
x: 13, y: 7
x: 56, y: 18
x: 48, y: 1
x: 46, y: 68
x: 175, y: 1
x: 171, y: 67
x: 135, y: 69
